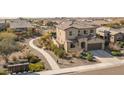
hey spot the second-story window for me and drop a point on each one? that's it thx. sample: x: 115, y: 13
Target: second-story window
x: 70, y: 33
x: 79, y: 33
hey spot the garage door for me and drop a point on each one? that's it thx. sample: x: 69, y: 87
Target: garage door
x: 95, y: 46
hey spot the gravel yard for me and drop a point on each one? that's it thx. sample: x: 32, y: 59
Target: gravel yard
x: 64, y: 63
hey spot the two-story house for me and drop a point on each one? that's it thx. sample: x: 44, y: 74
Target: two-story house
x: 78, y: 37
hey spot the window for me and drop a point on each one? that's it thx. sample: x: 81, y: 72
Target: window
x: 85, y: 32
x: 70, y: 33
x: 79, y: 33
x: 91, y: 31
x: 72, y: 45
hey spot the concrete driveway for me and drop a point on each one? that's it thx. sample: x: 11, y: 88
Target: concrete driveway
x: 104, y: 56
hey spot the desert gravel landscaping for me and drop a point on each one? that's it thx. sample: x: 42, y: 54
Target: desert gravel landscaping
x: 73, y: 62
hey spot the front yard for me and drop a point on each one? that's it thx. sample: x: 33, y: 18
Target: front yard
x: 64, y: 60
x: 71, y: 62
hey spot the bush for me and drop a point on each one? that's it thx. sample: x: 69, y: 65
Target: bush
x: 3, y: 72
x: 20, y: 57
x: 32, y: 59
x: 116, y: 53
x: 121, y: 44
x: 83, y: 55
x: 14, y: 58
x: 89, y: 56
x: 53, y: 46
x: 36, y: 67
x: 59, y: 52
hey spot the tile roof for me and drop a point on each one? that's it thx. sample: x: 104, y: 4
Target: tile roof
x: 20, y: 24
x: 112, y: 31
x: 76, y: 24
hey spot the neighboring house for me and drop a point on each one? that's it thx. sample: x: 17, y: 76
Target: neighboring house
x: 110, y: 34
x: 115, y: 36
x: 104, y: 33
x: 78, y: 37
x: 20, y: 25
x: 2, y: 25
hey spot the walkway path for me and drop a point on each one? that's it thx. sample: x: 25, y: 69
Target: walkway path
x: 50, y: 60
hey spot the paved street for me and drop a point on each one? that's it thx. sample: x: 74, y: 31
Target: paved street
x: 81, y: 69
x: 50, y: 60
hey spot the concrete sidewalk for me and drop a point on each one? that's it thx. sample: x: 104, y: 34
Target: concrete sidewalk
x: 81, y: 69
x: 48, y: 57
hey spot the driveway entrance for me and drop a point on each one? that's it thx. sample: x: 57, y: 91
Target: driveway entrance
x: 94, y: 46
x: 104, y: 56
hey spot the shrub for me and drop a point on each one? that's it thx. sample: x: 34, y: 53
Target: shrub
x: 89, y: 56
x: 20, y: 57
x: 14, y: 58
x: 34, y: 59
x: 122, y: 22
x: 59, y: 52
x: 53, y: 46
x: 86, y: 55
x: 116, y: 53
x: 36, y: 67
x: 83, y: 55
x: 121, y: 44
x: 3, y: 72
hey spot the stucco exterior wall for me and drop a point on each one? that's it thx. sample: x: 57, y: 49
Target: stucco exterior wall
x: 74, y: 33
x: 61, y: 36
x: 78, y: 32
x: 116, y: 37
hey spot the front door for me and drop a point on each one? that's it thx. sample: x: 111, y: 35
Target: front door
x: 82, y: 45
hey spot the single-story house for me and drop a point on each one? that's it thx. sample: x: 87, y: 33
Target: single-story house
x: 20, y: 25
